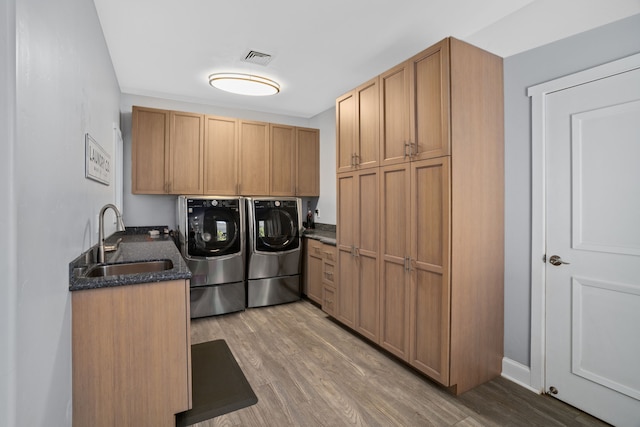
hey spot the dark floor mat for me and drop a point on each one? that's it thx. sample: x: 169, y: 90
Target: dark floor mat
x: 218, y: 384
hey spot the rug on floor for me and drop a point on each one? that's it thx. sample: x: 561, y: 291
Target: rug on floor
x: 218, y: 384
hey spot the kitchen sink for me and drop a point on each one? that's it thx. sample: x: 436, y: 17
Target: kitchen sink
x: 102, y: 270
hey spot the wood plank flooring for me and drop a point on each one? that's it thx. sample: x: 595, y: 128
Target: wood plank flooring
x: 309, y: 371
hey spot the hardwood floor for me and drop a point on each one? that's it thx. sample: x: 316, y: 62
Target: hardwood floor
x: 308, y: 371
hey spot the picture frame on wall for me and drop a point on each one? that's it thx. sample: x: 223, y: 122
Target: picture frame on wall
x: 97, y: 161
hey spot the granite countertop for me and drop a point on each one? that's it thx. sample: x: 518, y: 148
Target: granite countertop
x: 324, y: 233
x: 133, y: 247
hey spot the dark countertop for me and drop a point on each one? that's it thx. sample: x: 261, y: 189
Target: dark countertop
x: 134, y: 247
x: 324, y: 234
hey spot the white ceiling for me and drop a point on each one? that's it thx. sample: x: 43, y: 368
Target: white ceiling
x: 320, y: 49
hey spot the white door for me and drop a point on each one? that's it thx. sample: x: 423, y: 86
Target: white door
x: 593, y: 225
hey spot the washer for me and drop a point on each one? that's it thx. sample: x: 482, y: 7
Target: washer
x: 274, y: 250
x: 212, y: 240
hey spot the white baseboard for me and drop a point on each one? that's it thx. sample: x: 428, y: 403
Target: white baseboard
x: 518, y: 373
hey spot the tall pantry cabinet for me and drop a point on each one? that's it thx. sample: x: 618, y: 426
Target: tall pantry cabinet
x: 434, y: 226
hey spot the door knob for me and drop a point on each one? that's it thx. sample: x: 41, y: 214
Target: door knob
x: 556, y: 260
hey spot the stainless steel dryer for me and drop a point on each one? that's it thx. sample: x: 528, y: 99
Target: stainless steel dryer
x: 274, y: 250
x: 212, y: 240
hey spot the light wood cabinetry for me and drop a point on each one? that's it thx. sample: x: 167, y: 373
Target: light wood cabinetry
x: 254, y: 158
x: 166, y: 152
x: 283, y: 160
x: 185, y: 153
x: 441, y: 201
x: 307, y: 162
x: 357, y: 246
x: 320, y: 273
x: 220, y: 156
x: 414, y: 106
x: 313, y: 270
x: 295, y: 161
x: 150, y: 148
x: 357, y: 121
x: 131, y: 354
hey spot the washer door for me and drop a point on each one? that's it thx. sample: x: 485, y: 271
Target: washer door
x: 213, y: 231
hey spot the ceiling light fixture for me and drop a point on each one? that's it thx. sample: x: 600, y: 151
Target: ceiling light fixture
x: 244, y: 84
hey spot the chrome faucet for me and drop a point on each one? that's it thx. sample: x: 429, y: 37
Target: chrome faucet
x: 120, y: 227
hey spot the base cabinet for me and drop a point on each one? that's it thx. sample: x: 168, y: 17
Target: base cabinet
x: 319, y: 285
x: 131, y: 353
x: 421, y: 255
x: 313, y: 270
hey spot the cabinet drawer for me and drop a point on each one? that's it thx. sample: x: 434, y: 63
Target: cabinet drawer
x: 328, y: 271
x: 329, y: 253
x: 315, y: 248
x: 329, y: 300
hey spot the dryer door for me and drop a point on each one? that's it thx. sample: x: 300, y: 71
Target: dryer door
x: 276, y: 225
x: 214, y: 228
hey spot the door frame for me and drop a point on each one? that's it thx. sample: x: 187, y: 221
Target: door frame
x: 538, y: 94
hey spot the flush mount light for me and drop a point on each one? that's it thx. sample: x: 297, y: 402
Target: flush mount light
x: 244, y: 84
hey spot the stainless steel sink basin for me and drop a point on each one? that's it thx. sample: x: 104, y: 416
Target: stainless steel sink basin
x: 102, y: 270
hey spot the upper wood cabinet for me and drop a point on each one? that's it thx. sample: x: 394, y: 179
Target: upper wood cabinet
x: 185, y: 153
x: 254, y: 158
x: 400, y: 116
x: 149, y: 150
x: 295, y: 161
x: 357, y: 128
x: 307, y: 162
x: 175, y: 152
x: 166, y: 152
x: 220, y: 156
x: 283, y: 160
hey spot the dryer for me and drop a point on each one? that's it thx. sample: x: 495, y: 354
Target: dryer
x: 212, y: 240
x: 274, y: 250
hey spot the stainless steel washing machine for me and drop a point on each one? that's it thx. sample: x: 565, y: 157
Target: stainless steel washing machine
x: 274, y: 250
x: 212, y: 240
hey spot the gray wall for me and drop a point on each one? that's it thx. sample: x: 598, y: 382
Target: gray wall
x: 8, y: 263
x: 142, y: 210
x: 65, y: 86
x: 567, y: 56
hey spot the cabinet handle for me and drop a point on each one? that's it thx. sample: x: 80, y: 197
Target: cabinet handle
x: 406, y: 145
x: 316, y: 249
x: 357, y: 157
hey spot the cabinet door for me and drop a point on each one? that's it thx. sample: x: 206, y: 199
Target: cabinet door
x: 430, y: 266
x: 345, y: 132
x: 367, y: 252
x: 254, y: 158
x: 139, y: 359
x: 186, y: 153
x: 314, y: 271
x: 283, y: 157
x: 345, y: 245
x: 220, y: 156
x: 357, y: 245
x: 394, y: 115
x: 429, y: 106
x: 149, y: 151
x: 395, y: 247
x: 367, y: 124
x: 308, y: 162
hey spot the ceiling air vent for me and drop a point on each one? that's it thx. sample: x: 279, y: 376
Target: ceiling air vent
x: 257, y: 58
